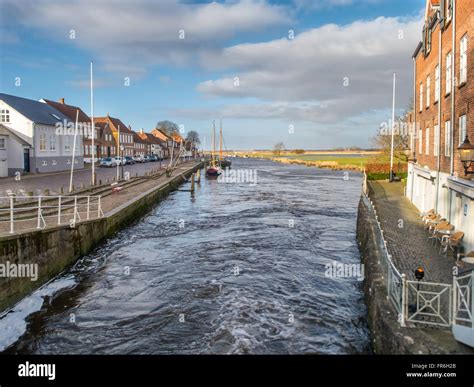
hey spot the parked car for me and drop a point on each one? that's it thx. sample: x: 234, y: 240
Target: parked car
x: 153, y: 158
x: 148, y: 158
x: 138, y: 159
x: 129, y: 160
x: 118, y: 160
x: 108, y: 162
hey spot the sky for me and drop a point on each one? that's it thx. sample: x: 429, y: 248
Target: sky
x: 313, y: 74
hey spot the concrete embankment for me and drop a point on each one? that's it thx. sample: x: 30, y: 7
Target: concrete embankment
x: 54, y: 249
x: 388, y: 337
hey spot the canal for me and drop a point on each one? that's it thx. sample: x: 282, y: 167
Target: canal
x: 241, y: 268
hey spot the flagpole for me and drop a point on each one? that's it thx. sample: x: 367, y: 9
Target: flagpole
x: 393, y: 127
x: 73, y: 151
x: 93, y: 128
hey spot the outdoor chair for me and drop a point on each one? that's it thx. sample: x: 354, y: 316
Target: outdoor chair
x: 440, y: 230
x: 427, y: 213
x: 451, y: 242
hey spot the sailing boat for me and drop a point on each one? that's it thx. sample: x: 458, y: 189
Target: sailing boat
x: 224, y: 163
x: 213, y: 169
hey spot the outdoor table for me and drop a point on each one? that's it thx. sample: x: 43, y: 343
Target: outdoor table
x: 469, y: 258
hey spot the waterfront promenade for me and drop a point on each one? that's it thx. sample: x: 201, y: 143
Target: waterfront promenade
x: 407, y: 239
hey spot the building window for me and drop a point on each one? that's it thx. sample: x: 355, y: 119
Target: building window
x: 463, y: 60
x: 420, y: 141
x: 449, y: 10
x: 437, y: 83
x: 427, y: 141
x: 42, y: 142
x: 67, y: 143
x: 449, y: 64
x: 3, y: 143
x: 5, y: 116
x: 436, y: 140
x: 44, y: 163
x: 421, y: 97
x: 462, y: 129
x: 447, y: 139
x: 52, y: 142
x: 428, y: 91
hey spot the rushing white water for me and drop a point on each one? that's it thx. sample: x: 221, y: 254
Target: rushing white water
x: 239, y: 269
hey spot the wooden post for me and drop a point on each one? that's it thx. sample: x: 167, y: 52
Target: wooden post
x: 198, y: 175
x: 192, y: 184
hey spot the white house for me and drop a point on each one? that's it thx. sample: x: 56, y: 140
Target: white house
x: 14, y: 152
x: 49, y: 133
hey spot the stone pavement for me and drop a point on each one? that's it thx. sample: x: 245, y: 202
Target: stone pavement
x: 406, y: 238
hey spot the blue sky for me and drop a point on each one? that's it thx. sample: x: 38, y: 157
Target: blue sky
x: 330, y: 81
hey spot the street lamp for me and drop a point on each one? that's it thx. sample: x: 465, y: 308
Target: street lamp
x: 466, y: 153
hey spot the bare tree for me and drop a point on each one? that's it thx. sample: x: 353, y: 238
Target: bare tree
x: 168, y: 127
x: 193, y: 136
x: 278, y: 148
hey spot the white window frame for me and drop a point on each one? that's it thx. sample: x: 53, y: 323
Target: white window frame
x: 436, y: 140
x: 437, y: 83
x: 447, y: 138
x: 462, y: 128
x: 67, y: 144
x: 42, y: 142
x: 52, y: 142
x: 427, y: 142
x: 449, y: 75
x: 420, y: 141
x: 463, y: 60
x: 3, y: 143
x: 428, y: 90
x: 421, y: 96
x: 5, y: 116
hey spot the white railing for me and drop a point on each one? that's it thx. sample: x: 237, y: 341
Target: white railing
x: 463, y: 308
x: 394, y: 280
x: 26, y: 213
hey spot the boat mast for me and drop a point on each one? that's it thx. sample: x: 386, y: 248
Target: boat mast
x: 220, y: 141
x: 213, y: 141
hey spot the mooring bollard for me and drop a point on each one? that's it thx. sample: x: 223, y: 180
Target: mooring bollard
x: 100, y: 181
x: 46, y: 192
x: 61, y: 190
x: 31, y: 193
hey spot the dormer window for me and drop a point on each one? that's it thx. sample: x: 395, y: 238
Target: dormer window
x: 5, y: 116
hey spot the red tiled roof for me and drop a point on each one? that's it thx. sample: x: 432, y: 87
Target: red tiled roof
x: 150, y: 138
x: 69, y: 111
x: 159, y: 134
x: 115, y: 123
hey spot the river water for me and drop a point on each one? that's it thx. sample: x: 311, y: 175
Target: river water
x: 239, y: 269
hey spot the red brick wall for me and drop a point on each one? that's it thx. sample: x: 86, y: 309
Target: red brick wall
x: 463, y: 93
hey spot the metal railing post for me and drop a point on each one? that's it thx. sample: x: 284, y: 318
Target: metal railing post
x: 75, y: 209
x: 99, y: 208
x: 12, y: 226
x: 404, y: 293
x: 59, y: 209
x: 38, y: 225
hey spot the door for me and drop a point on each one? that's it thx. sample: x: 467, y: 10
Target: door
x: 3, y: 168
x: 26, y: 160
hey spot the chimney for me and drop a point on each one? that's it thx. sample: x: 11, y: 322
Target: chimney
x: 61, y: 101
x: 142, y: 131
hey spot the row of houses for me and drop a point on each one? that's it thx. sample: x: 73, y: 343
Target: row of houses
x: 443, y: 115
x: 39, y: 136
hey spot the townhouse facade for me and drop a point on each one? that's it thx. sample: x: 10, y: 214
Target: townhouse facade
x: 47, y: 132
x: 84, y: 127
x: 443, y: 115
x: 166, y: 142
x: 155, y: 144
x: 124, y: 141
x: 13, y: 147
x: 141, y: 145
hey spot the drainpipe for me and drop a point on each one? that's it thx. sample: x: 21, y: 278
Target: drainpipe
x: 34, y: 149
x: 414, y: 129
x: 438, y: 167
x: 453, y: 91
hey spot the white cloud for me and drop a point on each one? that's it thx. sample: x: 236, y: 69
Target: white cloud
x: 305, y: 77
x: 129, y: 36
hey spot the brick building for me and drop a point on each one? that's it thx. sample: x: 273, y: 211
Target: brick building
x: 443, y: 113
x: 126, y: 134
